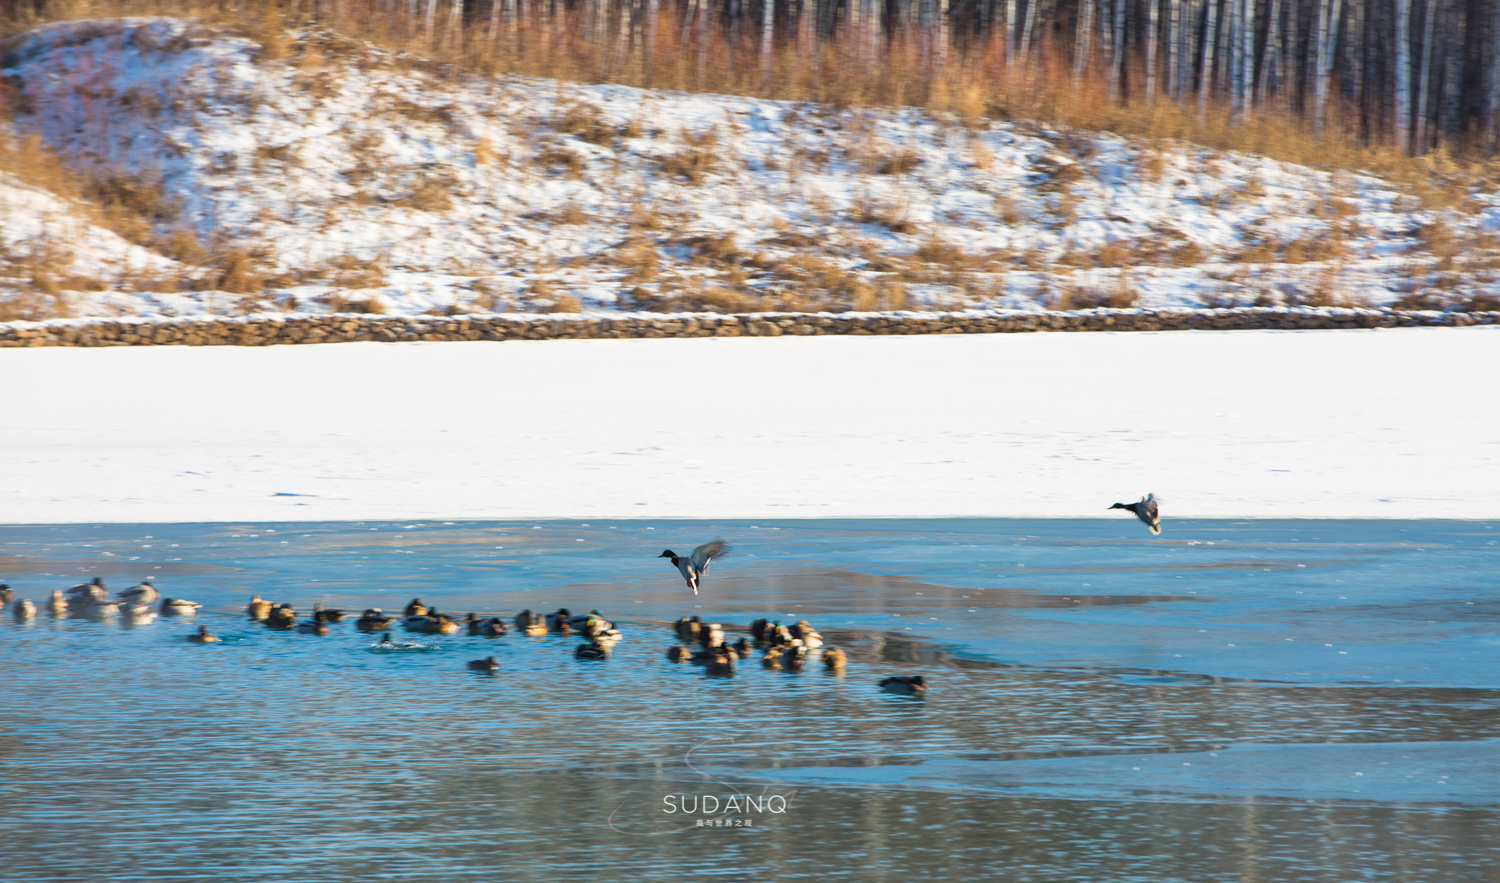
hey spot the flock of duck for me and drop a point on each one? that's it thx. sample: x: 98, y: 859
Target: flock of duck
x: 787, y: 648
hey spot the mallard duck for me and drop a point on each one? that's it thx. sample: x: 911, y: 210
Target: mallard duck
x: 912, y: 686
x: 778, y: 635
x: 532, y: 624
x: 431, y: 625
x: 1146, y: 510
x: 493, y: 627
x: 758, y: 630
x: 695, y: 565
x: 415, y: 608
x: 687, y: 629
x: 137, y: 614
x: 834, y: 658
x: 591, y: 650
x: 203, y: 636
x: 373, y: 620
x: 329, y: 615
x: 81, y: 596
x: 283, y: 617
x: 721, y: 665
x: 57, y: 604
x: 7, y: 595
x: 594, y: 625
x: 315, y: 626
x: 803, y: 632
x: 678, y: 653
x: 742, y: 648
x: 23, y: 609
x: 257, y: 609
x: 711, y: 635
x: 794, y: 658
x: 100, y: 608
x: 141, y: 593
x: 178, y: 607
x: 560, y: 621
x: 489, y: 663
x: 771, y: 658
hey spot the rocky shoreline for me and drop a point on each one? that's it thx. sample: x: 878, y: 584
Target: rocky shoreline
x: 273, y: 329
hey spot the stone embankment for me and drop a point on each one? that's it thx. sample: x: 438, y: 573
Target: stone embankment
x: 269, y: 329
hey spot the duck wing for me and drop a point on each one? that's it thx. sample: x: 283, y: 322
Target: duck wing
x: 706, y: 553
x: 1150, y: 513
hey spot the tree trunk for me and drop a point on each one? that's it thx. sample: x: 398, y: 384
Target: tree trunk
x: 767, y: 24
x: 1210, y: 40
x: 1152, y: 25
x: 1329, y: 13
x: 429, y: 23
x: 1424, y: 78
x: 1272, y: 59
x: 1083, y: 39
x: 1174, y: 46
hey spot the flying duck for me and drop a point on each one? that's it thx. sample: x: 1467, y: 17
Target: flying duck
x: 1146, y: 510
x: 695, y: 565
x: 912, y: 686
x: 489, y: 663
x: 202, y: 636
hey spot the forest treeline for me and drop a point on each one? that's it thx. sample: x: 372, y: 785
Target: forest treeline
x: 1408, y: 75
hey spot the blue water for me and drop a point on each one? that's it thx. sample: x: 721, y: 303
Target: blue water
x: 1295, y: 700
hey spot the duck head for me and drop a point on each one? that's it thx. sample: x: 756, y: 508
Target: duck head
x: 669, y: 554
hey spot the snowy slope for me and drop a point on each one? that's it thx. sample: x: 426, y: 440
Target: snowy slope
x: 340, y: 176
x: 1219, y: 424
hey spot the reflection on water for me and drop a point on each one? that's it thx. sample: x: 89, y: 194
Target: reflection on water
x: 1297, y: 701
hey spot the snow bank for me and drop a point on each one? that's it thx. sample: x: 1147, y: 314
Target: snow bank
x: 1396, y: 423
x: 345, y: 175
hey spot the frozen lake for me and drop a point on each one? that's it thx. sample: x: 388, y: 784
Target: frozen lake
x: 1268, y: 700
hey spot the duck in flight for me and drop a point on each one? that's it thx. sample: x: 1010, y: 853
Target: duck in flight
x: 1146, y: 510
x: 695, y: 565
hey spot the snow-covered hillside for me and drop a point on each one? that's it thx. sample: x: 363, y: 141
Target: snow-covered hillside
x: 312, y: 173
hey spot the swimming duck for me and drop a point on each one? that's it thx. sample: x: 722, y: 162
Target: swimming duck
x: 695, y: 565
x: 23, y: 609
x: 561, y: 621
x: 493, y: 627
x: 431, y: 625
x: 678, y: 653
x: 532, y: 624
x: 329, y: 615
x: 778, y: 635
x: 804, y: 633
x: 772, y: 658
x: 742, y: 648
x: 1146, y: 510
x: 373, y: 620
x: 593, y: 625
x: 834, y: 659
x: 315, y: 626
x: 758, y: 630
x: 100, y: 608
x: 57, y: 604
x: 85, y: 594
x: 711, y: 636
x: 912, y: 686
x: 283, y: 617
x: 141, y: 593
x: 721, y: 665
x: 489, y: 663
x: 203, y: 636
x: 415, y: 608
x: 257, y: 609
x: 591, y: 650
x: 687, y: 629
x: 178, y: 607
x: 137, y: 614
x: 7, y: 595
x: 794, y: 658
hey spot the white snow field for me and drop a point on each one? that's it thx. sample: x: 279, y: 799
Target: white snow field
x: 340, y: 176
x: 1398, y: 423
